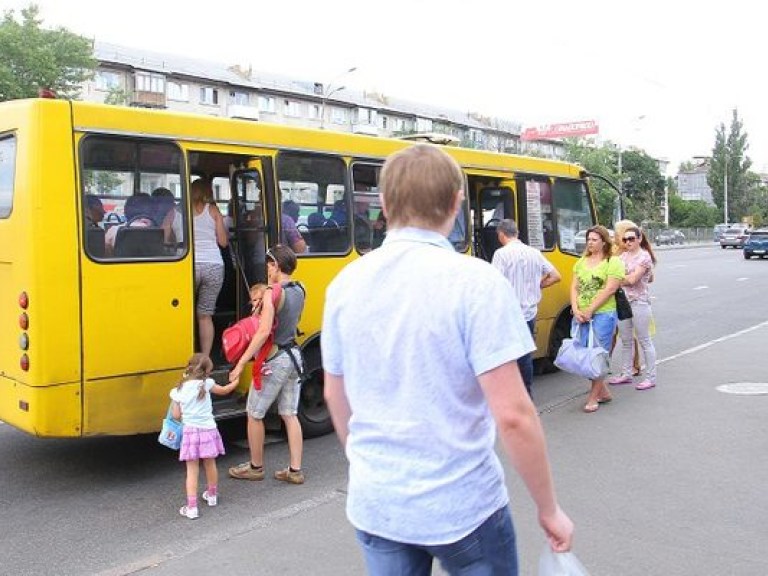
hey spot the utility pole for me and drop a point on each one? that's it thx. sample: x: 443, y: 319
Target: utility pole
x: 330, y: 91
x: 725, y: 188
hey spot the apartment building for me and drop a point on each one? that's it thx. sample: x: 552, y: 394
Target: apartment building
x: 692, y: 184
x: 135, y: 77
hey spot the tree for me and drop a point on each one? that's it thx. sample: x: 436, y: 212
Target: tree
x: 730, y: 166
x: 601, y: 161
x: 34, y: 58
x: 643, y: 186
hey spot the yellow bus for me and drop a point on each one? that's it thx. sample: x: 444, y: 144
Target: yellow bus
x: 98, y: 315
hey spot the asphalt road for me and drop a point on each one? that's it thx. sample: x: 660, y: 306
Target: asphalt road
x: 669, y: 481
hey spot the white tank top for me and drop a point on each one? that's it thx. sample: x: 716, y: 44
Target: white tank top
x: 206, y: 247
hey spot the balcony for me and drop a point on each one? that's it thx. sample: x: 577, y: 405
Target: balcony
x: 148, y: 99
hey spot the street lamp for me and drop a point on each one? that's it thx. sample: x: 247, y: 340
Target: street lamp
x: 329, y: 91
x: 725, y: 187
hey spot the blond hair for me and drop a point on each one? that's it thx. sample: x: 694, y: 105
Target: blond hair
x: 198, y: 368
x: 419, y: 186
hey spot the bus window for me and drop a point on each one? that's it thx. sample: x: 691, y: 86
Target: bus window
x: 138, y: 186
x: 316, y: 184
x: 369, y: 223
x: 573, y: 215
x: 7, y: 170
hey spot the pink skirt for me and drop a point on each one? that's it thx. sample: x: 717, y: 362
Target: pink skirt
x: 197, y: 443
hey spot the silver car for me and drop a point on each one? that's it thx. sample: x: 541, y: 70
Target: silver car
x: 734, y: 237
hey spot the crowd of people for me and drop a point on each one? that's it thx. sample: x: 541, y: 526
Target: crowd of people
x: 419, y: 430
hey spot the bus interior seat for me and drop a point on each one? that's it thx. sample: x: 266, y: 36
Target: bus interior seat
x: 94, y: 241
x: 137, y: 242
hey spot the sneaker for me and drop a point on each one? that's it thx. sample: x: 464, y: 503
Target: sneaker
x: 190, y: 513
x: 645, y: 385
x: 244, y: 471
x: 288, y: 475
x: 211, y: 500
x: 616, y: 380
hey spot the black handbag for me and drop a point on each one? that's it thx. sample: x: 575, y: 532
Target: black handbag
x: 623, y: 307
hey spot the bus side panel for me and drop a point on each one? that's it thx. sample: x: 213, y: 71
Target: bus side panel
x: 134, y: 404
x: 38, y: 251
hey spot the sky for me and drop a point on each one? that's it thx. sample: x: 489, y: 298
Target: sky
x: 658, y: 75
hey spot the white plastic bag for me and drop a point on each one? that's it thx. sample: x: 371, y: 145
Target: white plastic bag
x: 560, y: 564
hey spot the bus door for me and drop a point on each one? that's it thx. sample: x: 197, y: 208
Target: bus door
x: 535, y: 211
x: 136, y: 279
x: 492, y: 200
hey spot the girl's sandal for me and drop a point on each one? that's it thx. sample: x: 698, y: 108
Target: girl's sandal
x: 604, y: 399
x: 591, y: 407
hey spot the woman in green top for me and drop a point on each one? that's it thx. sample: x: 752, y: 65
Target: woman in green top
x: 596, y: 277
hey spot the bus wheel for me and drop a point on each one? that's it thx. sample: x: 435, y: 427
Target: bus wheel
x: 313, y: 413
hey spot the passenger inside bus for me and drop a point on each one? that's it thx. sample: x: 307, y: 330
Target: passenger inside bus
x: 138, y: 211
x: 289, y: 232
x: 94, y: 211
x: 168, y: 216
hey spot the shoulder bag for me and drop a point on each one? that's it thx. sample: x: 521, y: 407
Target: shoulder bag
x: 623, y: 307
x: 170, y: 435
x: 590, y: 361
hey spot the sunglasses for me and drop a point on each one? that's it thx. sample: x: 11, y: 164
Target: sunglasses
x: 629, y: 239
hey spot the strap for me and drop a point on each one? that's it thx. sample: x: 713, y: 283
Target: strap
x: 287, y: 348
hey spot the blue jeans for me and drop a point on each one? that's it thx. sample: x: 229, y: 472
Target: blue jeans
x: 604, y: 326
x: 525, y: 363
x: 490, y: 550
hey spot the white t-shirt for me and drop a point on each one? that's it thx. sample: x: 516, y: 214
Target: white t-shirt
x: 524, y: 267
x: 410, y: 326
x: 195, y: 411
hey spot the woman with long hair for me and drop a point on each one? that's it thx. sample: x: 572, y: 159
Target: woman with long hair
x: 596, y: 277
x: 639, y: 260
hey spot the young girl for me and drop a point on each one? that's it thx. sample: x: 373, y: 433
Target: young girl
x: 200, y: 439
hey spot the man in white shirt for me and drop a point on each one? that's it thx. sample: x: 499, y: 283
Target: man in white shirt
x: 417, y: 383
x: 528, y: 272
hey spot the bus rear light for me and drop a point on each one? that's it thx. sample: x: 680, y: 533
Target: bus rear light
x: 24, y: 300
x: 23, y: 321
x: 24, y: 362
x: 24, y: 341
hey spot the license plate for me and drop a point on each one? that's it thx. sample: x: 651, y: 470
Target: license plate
x: 758, y: 251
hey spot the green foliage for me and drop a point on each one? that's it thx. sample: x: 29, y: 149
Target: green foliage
x: 642, y: 182
x: 692, y: 214
x: 34, y: 58
x: 117, y: 97
x: 730, y: 166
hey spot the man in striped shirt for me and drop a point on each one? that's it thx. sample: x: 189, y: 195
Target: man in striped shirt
x: 528, y: 272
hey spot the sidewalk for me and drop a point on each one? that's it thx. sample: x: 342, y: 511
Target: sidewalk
x: 668, y: 481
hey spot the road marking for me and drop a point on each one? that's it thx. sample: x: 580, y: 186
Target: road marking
x: 700, y: 287
x: 745, y: 388
x: 742, y: 279
x: 701, y: 347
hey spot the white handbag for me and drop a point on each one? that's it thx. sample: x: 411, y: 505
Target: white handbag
x: 590, y: 362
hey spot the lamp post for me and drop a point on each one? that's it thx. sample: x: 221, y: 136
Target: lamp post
x: 329, y: 91
x: 725, y: 188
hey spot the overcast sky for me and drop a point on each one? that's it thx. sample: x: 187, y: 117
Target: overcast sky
x: 657, y: 74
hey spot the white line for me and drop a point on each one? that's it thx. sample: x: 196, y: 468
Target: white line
x: 742, y: 279
x: 712, y: 342
x: 700, y: 287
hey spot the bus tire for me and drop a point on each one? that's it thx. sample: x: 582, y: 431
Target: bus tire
x: 313, y: 413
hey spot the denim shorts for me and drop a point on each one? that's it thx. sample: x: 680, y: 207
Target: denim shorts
x: 489, y: 549
x: 282, y: 384
x: 604, y: 326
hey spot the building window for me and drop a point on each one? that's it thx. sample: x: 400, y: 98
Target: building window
x: 366, y: 116
x: 314, y: 111
x: 146, y: 82
x: 266, y: 104
x: 339, y: 115
x: 292, y: 108
x: 238, y: 98
x: 178, y: 91
x: 209, y: 95
x: 423, y: 125
x: 107, y: 80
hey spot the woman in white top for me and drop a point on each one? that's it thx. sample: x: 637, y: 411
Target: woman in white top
x: 210, y: 234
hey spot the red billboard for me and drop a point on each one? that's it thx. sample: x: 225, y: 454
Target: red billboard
x: 564, y: 130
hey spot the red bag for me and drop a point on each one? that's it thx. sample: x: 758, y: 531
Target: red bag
x: 236, y: 338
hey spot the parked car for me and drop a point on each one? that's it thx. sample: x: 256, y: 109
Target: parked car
x: 734, y: 237
x: 718, y: 230
x: 756, y: 244
x: 670, y: 236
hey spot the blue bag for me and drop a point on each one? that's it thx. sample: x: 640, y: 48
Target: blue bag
x: 170, y: 435
x: 590, y: 362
